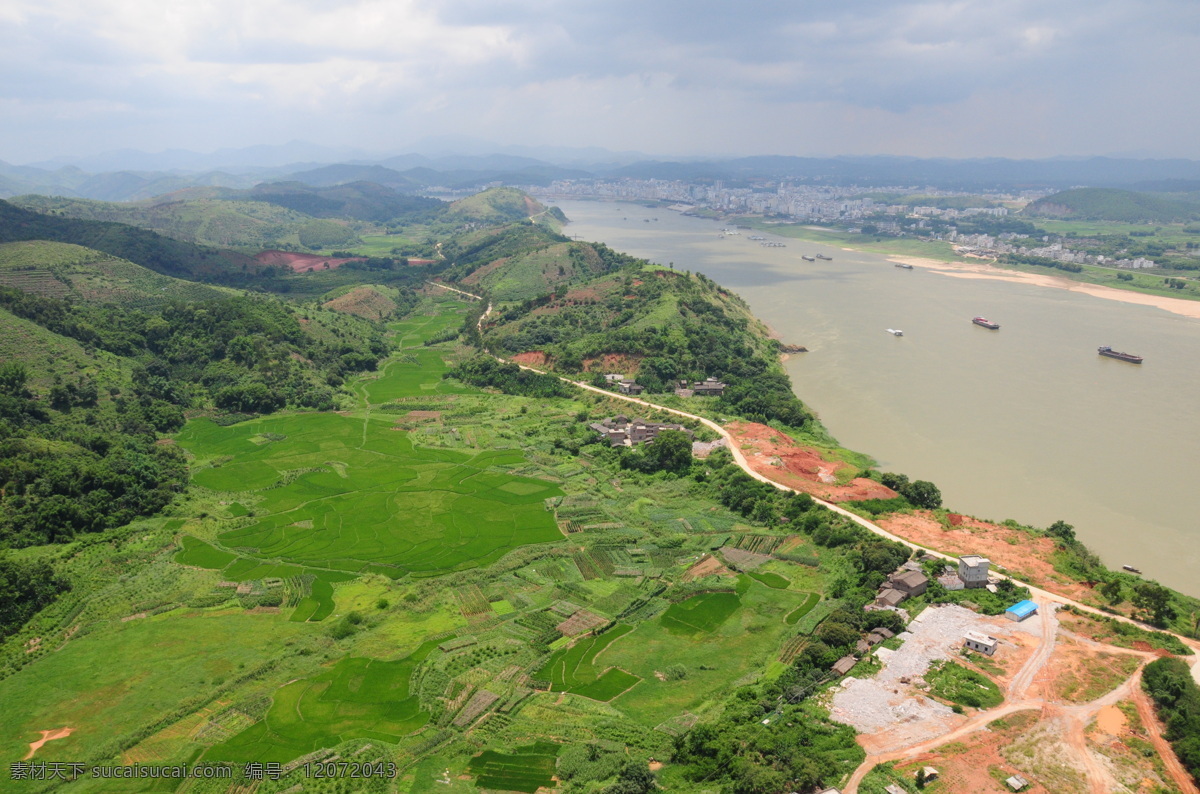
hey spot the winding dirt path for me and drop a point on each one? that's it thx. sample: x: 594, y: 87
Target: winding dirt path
x: 47, y: 736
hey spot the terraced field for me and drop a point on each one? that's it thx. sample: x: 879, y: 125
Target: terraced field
x: 575, y: 670
x: 356, y: 699
x: 700, y: 614
x: 416, y: 329
x: 353, y: 495
x: 527, y: 769
x: 415, y: 373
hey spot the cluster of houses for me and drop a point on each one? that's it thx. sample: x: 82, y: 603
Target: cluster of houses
x: 909, y: 581
x: 709, y: 387
x: 621, y: 431
x: 844, y: 665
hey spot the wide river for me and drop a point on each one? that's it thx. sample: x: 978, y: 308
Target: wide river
x: 1026, y: 423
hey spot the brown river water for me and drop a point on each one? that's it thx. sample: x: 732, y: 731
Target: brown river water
x: 1027, y: 422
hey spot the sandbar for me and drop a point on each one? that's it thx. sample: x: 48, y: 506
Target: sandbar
x: 982, y: 270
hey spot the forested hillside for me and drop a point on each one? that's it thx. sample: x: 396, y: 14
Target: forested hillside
x: 148, y: 249
x: 82, y: 455
x: 665, y: 326
x: 1110, y: 204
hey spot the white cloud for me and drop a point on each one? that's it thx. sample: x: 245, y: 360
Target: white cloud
x: 671, y: 76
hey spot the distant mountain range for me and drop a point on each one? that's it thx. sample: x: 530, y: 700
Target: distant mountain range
x: 129, y: 175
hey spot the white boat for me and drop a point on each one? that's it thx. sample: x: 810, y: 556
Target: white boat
x: 895, y: 332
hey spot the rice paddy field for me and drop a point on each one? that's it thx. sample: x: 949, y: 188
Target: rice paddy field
x: 432, y: 579
x: 349, y: 494
x: 357, y: 698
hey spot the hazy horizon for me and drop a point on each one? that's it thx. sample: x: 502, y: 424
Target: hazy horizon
x: 924, y: 79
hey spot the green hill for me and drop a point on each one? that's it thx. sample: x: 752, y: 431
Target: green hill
x: 364, y: 201
x: 206, y: 221
x: 501, y: 205
x: 1108, y: 204
x: 146, y: 248
x: 59, y: 270
x: 538, y: 272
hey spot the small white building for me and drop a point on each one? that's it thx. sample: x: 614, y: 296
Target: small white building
x: 980, y: 643
x: 973, y: 570
x: 1016, y: 782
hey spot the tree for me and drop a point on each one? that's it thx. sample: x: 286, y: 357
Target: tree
x: 670, y: 451
x: 1061, y: 530
x: 13, y: 377
x: 1155, y: 600
x: 1112, y: 591
x: 923, y: 493
x: 634, y: 778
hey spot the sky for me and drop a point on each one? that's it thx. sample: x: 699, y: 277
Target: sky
x: 1008, y: 78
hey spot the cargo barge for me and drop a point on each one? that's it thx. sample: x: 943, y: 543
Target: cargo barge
x: 1130, y: 357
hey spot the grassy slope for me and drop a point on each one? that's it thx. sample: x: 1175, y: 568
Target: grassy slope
x: 47, y: 355
x: 92, y: 276
x: 537, y: 272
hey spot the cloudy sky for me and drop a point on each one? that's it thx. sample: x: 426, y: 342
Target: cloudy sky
x: 1015, y: 78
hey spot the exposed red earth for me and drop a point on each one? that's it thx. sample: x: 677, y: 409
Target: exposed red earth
x: 300, y: 263
x: 779, y: 458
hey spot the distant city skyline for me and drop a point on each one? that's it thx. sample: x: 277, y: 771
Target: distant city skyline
x: 907, y: 77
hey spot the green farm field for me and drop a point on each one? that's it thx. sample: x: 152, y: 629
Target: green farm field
x: 356, y: 699
x: 742, y: 641
x: 361, y: 497
x: 436, y: 317
x: 575, y: 669
x: 415, y: 373
x: 526, y: 769
x: 108, y: 684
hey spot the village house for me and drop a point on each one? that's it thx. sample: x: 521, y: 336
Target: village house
x: 973, y: 570
x: 890, y: 597
x: 879, y: 635
x: 709, y: 387
x: 629, y: 387
x: 621, y: 431
x: 844, y: 665
x: 911, y: 583
x: 980, y: 642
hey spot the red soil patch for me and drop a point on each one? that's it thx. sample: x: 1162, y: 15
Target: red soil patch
x: 533, y: 358
x: 1024, y: 556
x: 300, y: 263
x: 966, y: 765
x: 47, y: 736
x: 779, y: 458
x: 709, y: 566
x: 613, y: 362
x: 416, y: 262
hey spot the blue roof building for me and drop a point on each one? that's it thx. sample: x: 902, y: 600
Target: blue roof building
x: 1021, y: 610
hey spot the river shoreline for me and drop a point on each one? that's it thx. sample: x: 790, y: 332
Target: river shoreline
x: 983, y: 270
